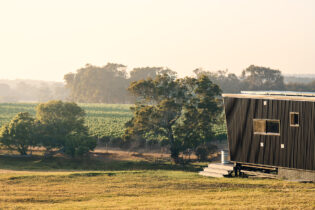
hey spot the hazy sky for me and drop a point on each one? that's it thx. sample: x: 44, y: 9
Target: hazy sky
x: 41, y: 39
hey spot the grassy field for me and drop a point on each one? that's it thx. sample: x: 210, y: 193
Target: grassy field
x: 107, y: 119
x: 36, y: 183
x: 102, y: 119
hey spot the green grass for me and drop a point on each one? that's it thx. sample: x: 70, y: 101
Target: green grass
x: 9, y: 110
x: 102, y: 119
x: 107, y: 119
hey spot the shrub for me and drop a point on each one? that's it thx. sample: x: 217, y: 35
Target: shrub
x: 202, y: 152
x: 116, y: 142
x: 211, y: 147
x: 79, y: 145
x: 19, y: 134
x: 62, y: 127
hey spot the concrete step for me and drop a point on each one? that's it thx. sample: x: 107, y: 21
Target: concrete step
x: 228, y: 167
x: 217, y: 170
x: 206, y: 173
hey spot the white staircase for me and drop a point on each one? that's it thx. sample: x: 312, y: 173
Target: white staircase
x: 217, y: 170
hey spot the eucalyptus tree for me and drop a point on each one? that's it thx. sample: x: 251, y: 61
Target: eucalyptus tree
x: 182, y: 111
x: 262, y: 78
x: 105, y: 84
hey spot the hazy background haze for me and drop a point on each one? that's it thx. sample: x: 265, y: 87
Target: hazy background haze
x: 44, y: 40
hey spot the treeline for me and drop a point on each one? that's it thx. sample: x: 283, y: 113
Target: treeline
x: 31, y: 91
x: 109, y: 83
x: 256, y: 78
x: 177, y: 114
x: 299, y: 78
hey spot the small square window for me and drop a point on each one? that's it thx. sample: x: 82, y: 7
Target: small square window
x: 294, y: 119
x: 273, y: 126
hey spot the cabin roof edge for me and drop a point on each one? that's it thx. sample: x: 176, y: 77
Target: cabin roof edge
x: 270, y: 97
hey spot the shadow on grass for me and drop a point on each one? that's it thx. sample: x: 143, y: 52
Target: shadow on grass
x: 39, y: 163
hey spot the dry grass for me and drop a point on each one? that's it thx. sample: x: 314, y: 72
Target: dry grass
x: 122, y: 180
x: 147, y: 189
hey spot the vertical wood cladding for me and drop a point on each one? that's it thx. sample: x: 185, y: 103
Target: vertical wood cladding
x: 298, y: 141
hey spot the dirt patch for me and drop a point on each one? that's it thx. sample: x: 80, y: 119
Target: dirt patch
x: 104, y: 154
x: 4, y: 171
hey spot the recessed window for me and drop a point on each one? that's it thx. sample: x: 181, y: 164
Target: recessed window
x: 266, y: 127
x: 294, y: 119
x: 273, y: 126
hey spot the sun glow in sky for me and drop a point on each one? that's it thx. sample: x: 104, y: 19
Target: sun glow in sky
x: 42, y: 39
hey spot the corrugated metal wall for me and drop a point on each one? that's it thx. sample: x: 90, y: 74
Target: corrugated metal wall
x: 299, y: 142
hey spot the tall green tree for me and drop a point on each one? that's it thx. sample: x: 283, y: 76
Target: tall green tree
x: 201, y: 110
x: 179, y: 110
x: 20, y: 133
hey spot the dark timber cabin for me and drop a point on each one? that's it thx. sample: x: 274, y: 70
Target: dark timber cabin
x: 272, y: 130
